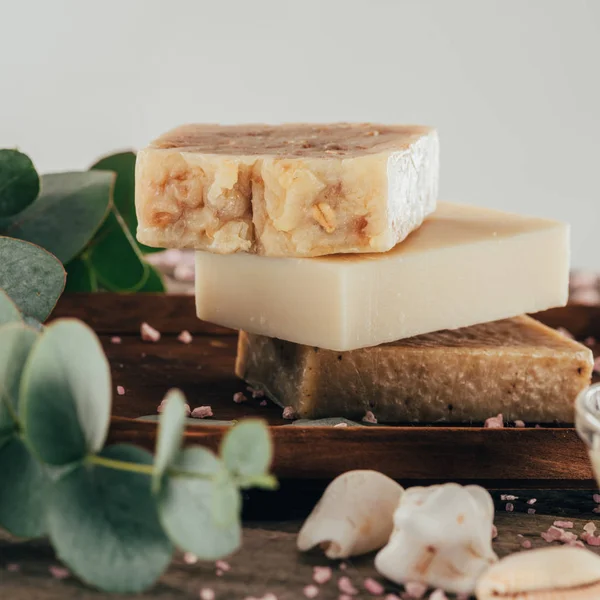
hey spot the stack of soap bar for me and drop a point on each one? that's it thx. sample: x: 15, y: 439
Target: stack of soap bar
x: 288, y: 190
x: 518, y: 367
x: 465, y: 265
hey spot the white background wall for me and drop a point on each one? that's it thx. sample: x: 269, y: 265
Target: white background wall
x: 513, y: 85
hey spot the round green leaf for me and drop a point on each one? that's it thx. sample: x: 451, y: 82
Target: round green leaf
x: 199, y: 505
x: 247, y: 449
x: 23, y: 491
x: 66, y: 215
x: 170, y: 432
x: 115, y: 258
x: 66, y: 393
x: 16, y: 342
x: 80, y: 276
x: 9, y: 313
x: 32, y: 277
x: 103, y: 524
x: 123, y: 165
x: 19, y: 182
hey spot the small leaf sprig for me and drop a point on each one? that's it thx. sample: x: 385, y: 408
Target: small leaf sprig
x: 113, y: 513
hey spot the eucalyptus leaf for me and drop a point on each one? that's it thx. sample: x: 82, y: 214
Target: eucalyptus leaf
x: 33, y: 323
x: 17, y: 341
x: 80, y: 276
x: 9, y: 313
x: 23, y: 491
x: 66, y: 393
x: 199, y: 505
x: 103, y: 524
x: 32, y: 277
x: 247, y: 449
x: 115, y: 258
x: 154, y: 282
x: 170, y: 430
x: 19, y: 182
x: 67, y: 213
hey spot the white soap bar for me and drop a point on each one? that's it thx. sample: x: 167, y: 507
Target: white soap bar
x: 465, y: 265
x: 291, y: 190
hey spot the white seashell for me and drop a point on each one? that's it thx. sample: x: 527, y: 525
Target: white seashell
x: 354, y: 515
x: 556, y: 573
x: 441, y: 538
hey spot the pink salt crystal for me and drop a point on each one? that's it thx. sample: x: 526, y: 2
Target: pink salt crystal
x: 188, y: 410
x: 577, y: 544
x: 567, y: 537
x: 553, y: 534
x: 343, y: 566
x: 596, y: 509
x: 341, y: 425
x: 321, y: 575
x: 565, y: 332
x: 263, y: 403
x: 289, y: 413
x: 526, y: 544
x: 531, y: 511
x: 190, y: 559
x: 494, y: 532
x: 120, y: 390
x: 593, y: 540
x: 510, y: 497
x: 185, y: 337
x: 509, y: 507
x: 596, y: 498
x: 345, y: 586
x: 496, y: 422
x: 519, y: 423
x: 564, y: 524
x: 207, y: 594
x: 255, y: 393
x: 148, y: 333
x: 373, y: 587
x: 219, y: 573
x: 438, y: 595
x: 115, y: 339
x: 239, y: 397
x: 589, y: 528
x: 532, y: 501
x: 13, y: 567
x: 311, y: 591
x: 369, y: 417
x: 590, y: 341
x: 59, y: 572
x: 415, y: 589
x: 223, y: 565
x: 201, y: 412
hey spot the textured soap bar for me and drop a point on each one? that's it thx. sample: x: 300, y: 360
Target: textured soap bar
x: 287, y: 190
x: 463, y: 266
x: 517, y: 367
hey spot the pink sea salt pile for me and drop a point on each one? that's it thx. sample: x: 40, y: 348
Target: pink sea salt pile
x: 369, y: 417
x: 201, y: 412
x: 321, y: 575
x: 496, y: 422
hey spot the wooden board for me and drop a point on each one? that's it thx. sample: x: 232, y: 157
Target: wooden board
x: 547, y: 457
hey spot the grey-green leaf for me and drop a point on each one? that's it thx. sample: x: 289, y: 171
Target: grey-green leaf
x: 103, y: 524
x: 32, y: 277
x: 23, y: 491
x: 19, y: 182
x: 66, y: 215
x: 170, y: 431
x: 9, y: 313
x: 199, y: 505
x: 247, y: 449
x: 66, y: 393
x: 15, y: 346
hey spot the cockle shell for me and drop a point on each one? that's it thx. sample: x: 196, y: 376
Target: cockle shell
x: 558, y: 573
x: 354, y: 515
x: 441, y: 537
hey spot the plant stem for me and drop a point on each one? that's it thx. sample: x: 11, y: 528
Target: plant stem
x: 121, y: 465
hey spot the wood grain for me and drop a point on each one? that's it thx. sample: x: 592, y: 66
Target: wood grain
x: 550, y: 456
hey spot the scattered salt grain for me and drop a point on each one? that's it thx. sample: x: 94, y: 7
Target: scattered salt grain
x: 564, y: 524
x: 590, y: 528
x: 321, y: 575
x: 565, y: 332
x: 255, y: 393
x: 593, y: 540
x: 532, y: 501
x: 343, y: 566
x: 239, y: 397
x: 496, y: 422
x: 438, y: 595
x: 190, y: 559
x: 346, y: 587
x: 219, y: 573
x: 207, y: 594
x: 519, y: 423
x: 289, y: 413
x: 494, y: 532
x: 311, y: 591
x: 188, y: 410
x: 201, y: 412
x: 369, y: 417
x: 415, y: 589
x: 526, y: 544
x: 120, y: 390
x: 509, y: 507
x: 568, y: 537
x: 148, y: 333
x: 13, y: 567
x: 577, y: 544
x: 590, y: 341
x: 596, y: 509
x: 263, y: 403
x: 531, y: 511
x: 115, y: 339
x: 341, y: 425
x: 59, y: 572
x: 373, y: 587
x: 223, y: 565
x: 553, y: 534
x: 508, y: 497
x: 596, y: 498
x: 185, y: 337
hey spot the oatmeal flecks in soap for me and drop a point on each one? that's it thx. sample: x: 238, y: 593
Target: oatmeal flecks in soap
x: 517, y: 366
x: 465, y: 265
x: 286, y: 190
